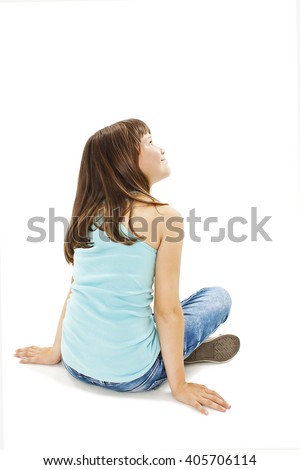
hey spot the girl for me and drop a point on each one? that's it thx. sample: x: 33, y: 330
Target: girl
x: 107, y: 334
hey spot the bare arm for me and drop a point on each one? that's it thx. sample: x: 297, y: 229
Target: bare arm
x: 170, y: 319
x: 167, y: 307
x: 49, y: 355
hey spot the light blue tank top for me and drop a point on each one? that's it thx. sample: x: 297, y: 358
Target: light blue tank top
x: 108, y: 332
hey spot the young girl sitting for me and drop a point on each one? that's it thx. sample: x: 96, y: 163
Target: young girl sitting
x: 121, y: 240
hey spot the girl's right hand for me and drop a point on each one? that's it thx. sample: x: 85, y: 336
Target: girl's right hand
x: 198, y: 396
x: 37, y: 355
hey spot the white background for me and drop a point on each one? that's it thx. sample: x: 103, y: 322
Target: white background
x: 217, y: 83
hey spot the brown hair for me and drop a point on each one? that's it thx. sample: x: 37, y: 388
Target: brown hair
x: 109, y: 173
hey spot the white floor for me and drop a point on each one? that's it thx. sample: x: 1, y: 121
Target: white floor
x: 47, y: 409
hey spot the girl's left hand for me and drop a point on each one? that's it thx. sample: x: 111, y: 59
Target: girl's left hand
x: 37, y: 355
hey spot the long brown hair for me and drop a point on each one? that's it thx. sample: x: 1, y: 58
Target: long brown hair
x: 109, y: 175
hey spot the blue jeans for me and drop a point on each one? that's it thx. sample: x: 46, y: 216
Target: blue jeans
x: 204, y: 311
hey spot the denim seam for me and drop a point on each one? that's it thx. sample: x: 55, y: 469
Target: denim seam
x: 147, y: 379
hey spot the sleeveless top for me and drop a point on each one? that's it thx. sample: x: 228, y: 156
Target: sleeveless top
x: 108, y: 332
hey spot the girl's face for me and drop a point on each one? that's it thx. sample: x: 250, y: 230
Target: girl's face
x: 152, y: 161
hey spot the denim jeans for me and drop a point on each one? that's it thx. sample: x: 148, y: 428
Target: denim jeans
x: 204, y: 311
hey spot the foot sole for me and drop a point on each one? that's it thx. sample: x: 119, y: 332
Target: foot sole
x: 219, y: 349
